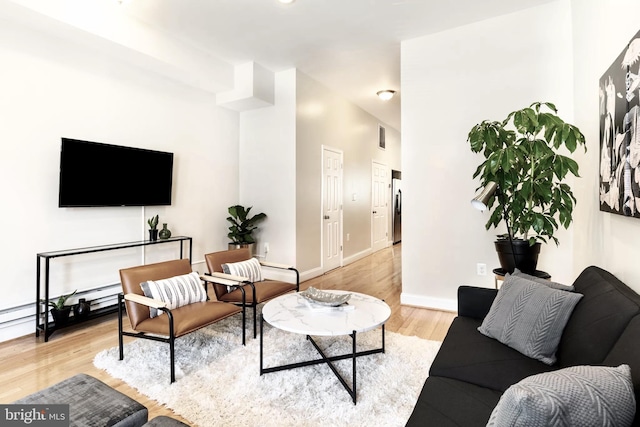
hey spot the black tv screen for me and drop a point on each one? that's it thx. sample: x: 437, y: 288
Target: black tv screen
x: 95, y: 174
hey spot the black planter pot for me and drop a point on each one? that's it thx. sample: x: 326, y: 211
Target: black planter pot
x: 526, y: 257
x: 250, y: 246
x: 81, y: 310
x: 153, y: 234
x: 61, y: 317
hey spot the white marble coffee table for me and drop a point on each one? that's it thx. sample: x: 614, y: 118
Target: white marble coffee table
x: 292, y: 313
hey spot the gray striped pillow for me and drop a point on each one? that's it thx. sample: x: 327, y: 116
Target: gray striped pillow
x: 585, y: 396
x: 529, y: 317
x: 250, y: 268
x: 175, y: 291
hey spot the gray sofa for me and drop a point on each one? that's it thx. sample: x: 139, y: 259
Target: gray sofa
x: 93, y: 403
x: 471, y: 371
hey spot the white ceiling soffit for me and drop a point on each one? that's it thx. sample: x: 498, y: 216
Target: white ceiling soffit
x: 350, y: 46
x: 254, y: 87
x: 102, y: 25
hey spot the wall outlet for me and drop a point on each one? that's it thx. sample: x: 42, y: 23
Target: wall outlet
x: 481, y: 269
x: 348, y: 236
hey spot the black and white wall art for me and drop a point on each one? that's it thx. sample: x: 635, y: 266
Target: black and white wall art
x: 619, y: 133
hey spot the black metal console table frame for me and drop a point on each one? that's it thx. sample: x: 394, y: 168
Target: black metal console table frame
x: 324, y: 359
x: 48, y: 327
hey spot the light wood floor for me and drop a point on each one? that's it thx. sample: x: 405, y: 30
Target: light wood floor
x: 27, y: 364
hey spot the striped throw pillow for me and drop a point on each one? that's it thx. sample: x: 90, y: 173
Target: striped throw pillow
x: 249, y: 268
x: 176, y: 291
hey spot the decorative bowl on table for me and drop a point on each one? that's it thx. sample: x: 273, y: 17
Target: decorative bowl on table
x: 329, y: 299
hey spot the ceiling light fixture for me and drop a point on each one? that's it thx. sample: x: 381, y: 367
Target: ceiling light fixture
x: 286, y: 1
x: 386, y: 95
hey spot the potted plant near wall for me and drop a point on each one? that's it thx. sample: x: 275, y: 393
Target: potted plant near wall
x: 153, y: 227
x: 59, y: 310
x: 522, y: 155
x: 242, y: 227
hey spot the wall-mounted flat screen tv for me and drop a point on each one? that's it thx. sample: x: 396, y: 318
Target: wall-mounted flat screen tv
x: 96, y: 174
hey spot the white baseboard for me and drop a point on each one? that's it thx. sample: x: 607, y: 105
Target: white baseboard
x: 356, y: 257
x: 315, y: 272
x: 429, y: 302
x: 19, y: 321
x: 310, y: 274
x: 17, y: 328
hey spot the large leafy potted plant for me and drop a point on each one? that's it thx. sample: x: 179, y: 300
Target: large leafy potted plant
x: 523, y: 157
x: 242, y: 227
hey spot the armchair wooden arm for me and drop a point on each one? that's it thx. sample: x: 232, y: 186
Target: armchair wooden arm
x: 226, y: 276
x: 149, y: 302
x: 269, y: 264
x: 218, y: 280
x: 233, y: 283
x: 276, y: 265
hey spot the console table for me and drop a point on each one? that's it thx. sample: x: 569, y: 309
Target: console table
x: 42, y: 316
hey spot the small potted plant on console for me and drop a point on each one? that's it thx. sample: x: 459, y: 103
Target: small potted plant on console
x: 153, y: 227
x: 59, y: 310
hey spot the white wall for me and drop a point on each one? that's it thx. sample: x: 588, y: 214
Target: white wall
x: 52, y: 88
x: 268, y: 169
x: 450, y: 82
x: 601, y: 30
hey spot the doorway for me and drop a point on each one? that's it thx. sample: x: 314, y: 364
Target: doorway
x: 331, y: 208
x: 380, y: 187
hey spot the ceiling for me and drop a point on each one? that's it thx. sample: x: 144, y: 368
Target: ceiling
x: 350, y: 46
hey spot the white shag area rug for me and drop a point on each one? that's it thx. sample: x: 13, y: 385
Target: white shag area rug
x: 218, y: 381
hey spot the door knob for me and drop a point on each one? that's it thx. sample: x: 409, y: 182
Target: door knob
x: 327, y: 217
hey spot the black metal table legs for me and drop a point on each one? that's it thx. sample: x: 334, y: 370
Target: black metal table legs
x: 324, y: 359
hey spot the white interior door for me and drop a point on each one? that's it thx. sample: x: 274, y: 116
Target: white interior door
x: 331, y: 209
x: 380, y: 183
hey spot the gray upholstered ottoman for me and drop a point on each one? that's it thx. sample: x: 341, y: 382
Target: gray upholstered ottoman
x: 92, y: 403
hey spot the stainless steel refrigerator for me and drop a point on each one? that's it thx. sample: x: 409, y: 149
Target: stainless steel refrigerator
x: 396, y: 188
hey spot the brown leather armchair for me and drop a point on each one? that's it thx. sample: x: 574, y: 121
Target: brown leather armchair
x: 255, y: 293
x: 177, y: 322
